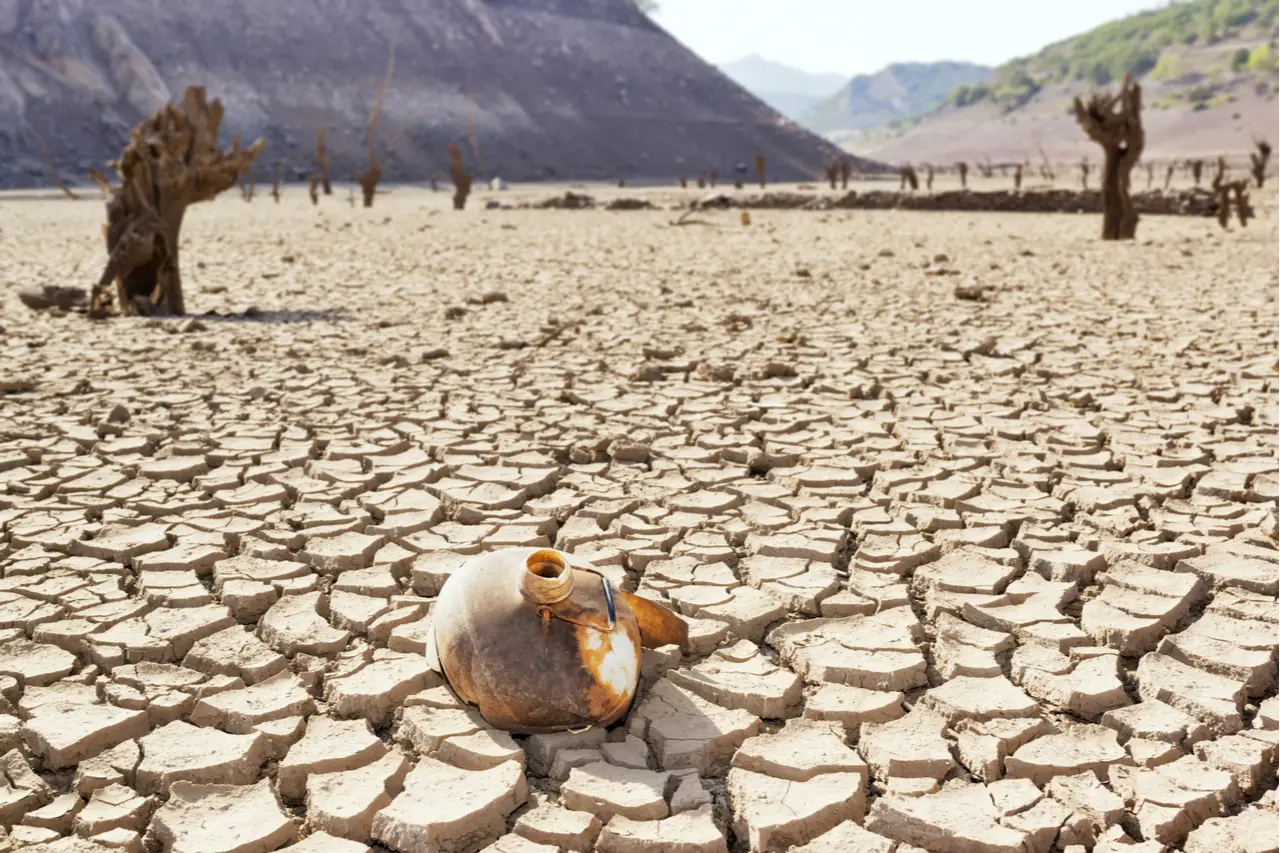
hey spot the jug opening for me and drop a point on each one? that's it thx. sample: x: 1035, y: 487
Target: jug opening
x: 546, y: 564
x: 547, y: 579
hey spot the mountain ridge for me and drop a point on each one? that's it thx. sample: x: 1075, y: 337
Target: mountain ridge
x: 1207, y: 67
x: 548, y: 89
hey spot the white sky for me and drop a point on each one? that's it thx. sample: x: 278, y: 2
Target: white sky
x: 857, y: 36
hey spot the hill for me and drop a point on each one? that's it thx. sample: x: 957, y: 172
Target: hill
x: 788, y: 90
x: 550, y: 89
x: 896, y: 92
x: 1208, y: 69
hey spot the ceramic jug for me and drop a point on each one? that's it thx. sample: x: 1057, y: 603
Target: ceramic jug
x: 541, y: 642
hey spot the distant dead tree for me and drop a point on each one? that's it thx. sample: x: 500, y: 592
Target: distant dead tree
x: 275, y: 183
x: 1084, y: 173
x: 712, y: 177
x: 1017, y: 178
x: 1225, y: 191
x: 846, y: 170
x: 1258, y: 160
x: 907, y: 177
x: 1168, y: 175
x: 702, y: 182
x: 435, y: 184
x: 313, y: 189
x: 323, y: 161
x: 963, y: 168
x: 622, y: 182
x: 248, y: 181
x: 684, y: 182
x: 1004, y: 170
x: 1114, y: 121
x: 986, y: 169
x: 1241, y: 188
x: 461, y: 180
x: 369, y: 178
x: 53, y: 173
x: 1046, y: 167
x: 833, y: 171
x: 928, y: 177
x: 172, y: 162
x: 1219, y: 173
x: 1197, y: 169
x: 760, y: 167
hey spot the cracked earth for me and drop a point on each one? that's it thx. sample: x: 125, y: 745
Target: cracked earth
x: 993, y: 574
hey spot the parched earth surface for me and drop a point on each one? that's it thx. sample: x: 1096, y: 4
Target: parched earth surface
x: 991, y: 574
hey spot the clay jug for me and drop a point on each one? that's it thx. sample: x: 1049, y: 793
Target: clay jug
x: 542, y: 642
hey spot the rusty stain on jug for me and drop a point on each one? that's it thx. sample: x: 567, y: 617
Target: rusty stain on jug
x: 540, y: 642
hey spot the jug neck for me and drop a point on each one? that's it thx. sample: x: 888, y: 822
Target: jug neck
x: 547, y: 578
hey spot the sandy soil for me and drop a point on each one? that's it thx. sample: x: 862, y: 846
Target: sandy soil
x: 962, y: 575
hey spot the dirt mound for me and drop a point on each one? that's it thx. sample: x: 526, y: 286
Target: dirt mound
x: 547, y: 88
x: 1183, y: 202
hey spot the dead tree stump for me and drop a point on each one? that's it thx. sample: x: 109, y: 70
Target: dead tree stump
x: 760, y: 164
x: 1017, y: 178
x: 846, y: 169
x: 1084, y: 174
x: 712, y: 177
x: 963, y: 168
x: 1197, y: 169
x: 1258, y: 161
x: 322, y: 161
x: 1168, y: 175
x: 833, y: 170
x: 1219, y: 173
x: 248, y: 185
x: 313, y: 189
x: 275, y: 183
x: 1243, y: 210
x: 461, y: 180
x: 1114, y: 121
x: 928, y: 179
x: 172, y: 162
x: 684, y: 182
x: 907, y: 177
x: 702, y: 182
x: 369, y: 178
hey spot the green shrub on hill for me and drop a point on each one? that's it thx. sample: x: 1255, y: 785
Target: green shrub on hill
x: 1134, y: 45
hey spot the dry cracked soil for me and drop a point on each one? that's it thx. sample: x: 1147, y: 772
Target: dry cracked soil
x: 991, y: 574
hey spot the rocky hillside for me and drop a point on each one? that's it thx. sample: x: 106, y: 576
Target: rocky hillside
x: 552, y: 89
x: 894, y: 93
x: 1208, y: 70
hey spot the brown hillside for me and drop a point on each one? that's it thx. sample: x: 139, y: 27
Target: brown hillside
x: 551, y: 88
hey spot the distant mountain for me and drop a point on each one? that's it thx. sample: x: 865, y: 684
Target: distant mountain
x: 788, y: 90
x: 1208, y: 74
x: 893, y: 94
x: 545, y: 89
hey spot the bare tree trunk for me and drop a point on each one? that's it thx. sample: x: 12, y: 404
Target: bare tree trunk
x: 172, y: 162
x: 1114, y: 121
x: 1258, y: 161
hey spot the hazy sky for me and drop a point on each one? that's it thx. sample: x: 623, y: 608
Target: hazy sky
x: 856, y: 36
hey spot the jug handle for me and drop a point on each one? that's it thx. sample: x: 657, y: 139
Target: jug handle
x: 659, y: 626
